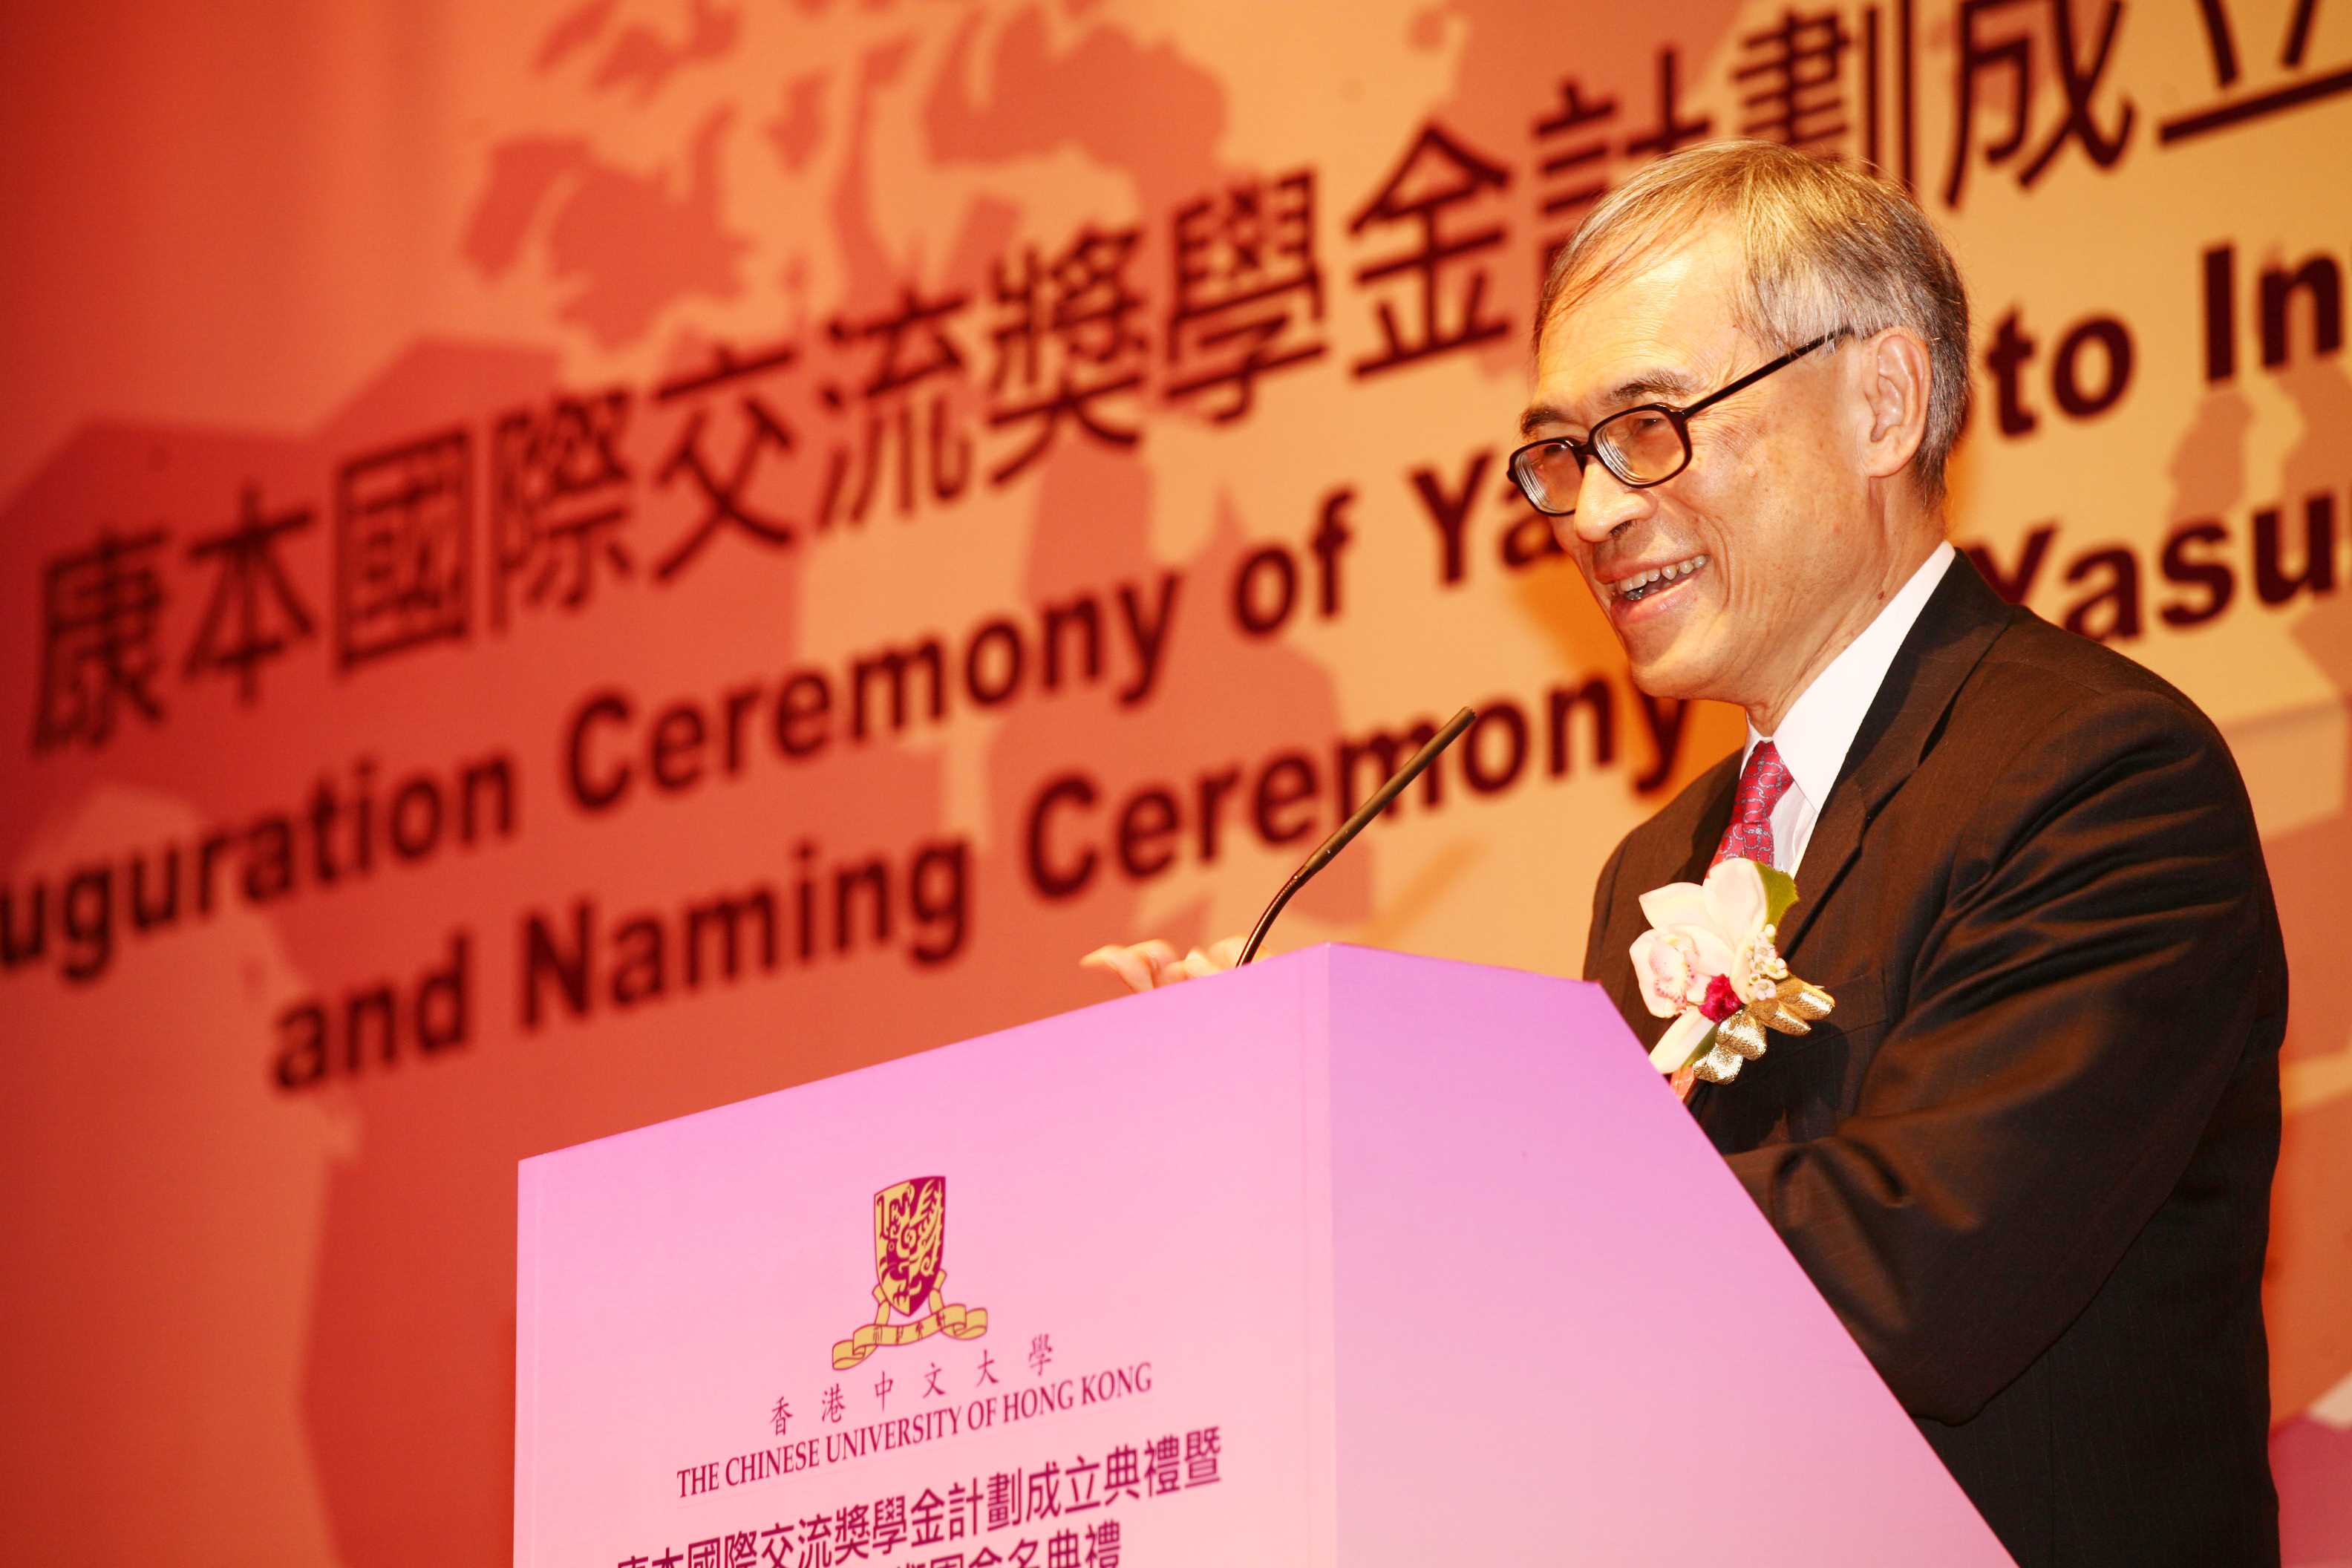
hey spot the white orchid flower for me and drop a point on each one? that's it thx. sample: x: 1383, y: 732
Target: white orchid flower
x: 1699, y: 932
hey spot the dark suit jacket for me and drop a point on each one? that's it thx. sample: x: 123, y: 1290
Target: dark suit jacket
x: 2028, y: 1159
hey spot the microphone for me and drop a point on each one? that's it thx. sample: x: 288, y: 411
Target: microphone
x: 1355, y: 824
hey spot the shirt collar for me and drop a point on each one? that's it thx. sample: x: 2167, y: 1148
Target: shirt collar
x: 1819, y: 728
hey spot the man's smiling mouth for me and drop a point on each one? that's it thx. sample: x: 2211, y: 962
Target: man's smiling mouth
x: 1642, y: 585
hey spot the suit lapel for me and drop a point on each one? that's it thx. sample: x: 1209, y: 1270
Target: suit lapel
x: 1960, y: 622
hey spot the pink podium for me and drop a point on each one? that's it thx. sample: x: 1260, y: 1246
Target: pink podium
x: 1345, y: 1257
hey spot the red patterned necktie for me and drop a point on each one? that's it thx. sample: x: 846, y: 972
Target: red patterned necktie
x: 1749, y: 836
x: 1762, y: 782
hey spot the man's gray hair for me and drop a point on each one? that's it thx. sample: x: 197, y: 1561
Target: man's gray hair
x: 1827, y: 249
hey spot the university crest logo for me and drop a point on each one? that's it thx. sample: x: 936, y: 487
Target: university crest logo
x: 910, y: 1228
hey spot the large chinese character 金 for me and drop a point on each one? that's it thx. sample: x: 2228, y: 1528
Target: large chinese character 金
x: 1436, y: 175
x: 1247, y: 288
x: 403, y: 526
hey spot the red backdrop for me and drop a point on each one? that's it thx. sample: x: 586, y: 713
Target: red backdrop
x: 570, y: 563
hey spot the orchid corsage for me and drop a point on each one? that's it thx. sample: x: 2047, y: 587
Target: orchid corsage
x: 1708, y: 963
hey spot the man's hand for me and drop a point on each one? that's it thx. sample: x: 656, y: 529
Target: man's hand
x: 1154, y: 962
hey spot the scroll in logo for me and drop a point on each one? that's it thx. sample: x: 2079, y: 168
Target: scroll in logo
x: 911, y: 1226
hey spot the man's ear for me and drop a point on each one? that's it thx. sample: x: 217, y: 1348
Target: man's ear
x: 1894, y: 371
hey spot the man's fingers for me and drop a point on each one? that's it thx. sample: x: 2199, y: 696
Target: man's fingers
x: 1141, y: 966
x: 1151, y: 963
x: 1216, y: 958
x: 1135, y: 972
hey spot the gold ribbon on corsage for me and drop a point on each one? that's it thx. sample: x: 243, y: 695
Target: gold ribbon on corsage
x: 1709, y: 962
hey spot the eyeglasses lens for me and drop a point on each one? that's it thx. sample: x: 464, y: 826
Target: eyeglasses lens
x: 1549, y: 476
x: 1643, y: 447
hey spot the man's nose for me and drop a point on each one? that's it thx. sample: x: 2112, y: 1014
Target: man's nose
x: 1604, y: 504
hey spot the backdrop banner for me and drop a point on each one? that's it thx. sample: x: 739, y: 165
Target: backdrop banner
x: 566, y: 563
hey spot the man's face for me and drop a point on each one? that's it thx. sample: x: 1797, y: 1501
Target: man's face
x: 1772, y: 535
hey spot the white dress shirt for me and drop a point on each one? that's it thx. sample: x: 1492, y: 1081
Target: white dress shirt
x: 1819, y: 729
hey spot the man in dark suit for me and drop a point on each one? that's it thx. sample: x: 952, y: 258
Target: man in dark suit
x: 2028, y: 1157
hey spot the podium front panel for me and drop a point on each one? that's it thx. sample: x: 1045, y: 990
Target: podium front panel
x: 1119, y: 1362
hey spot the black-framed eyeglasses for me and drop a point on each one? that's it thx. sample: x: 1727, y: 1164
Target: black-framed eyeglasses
x: 1642, y: 445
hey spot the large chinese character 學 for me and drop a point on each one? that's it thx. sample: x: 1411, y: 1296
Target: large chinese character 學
x: 403, y: 532
x: 1200, y: 1451
x: 724, y: 485
x: 1790, y: 82
x: 1989, y: 50
x: 2302, y: 85
x: 255, y: 615
x: 1437, y: 172
x: 1041, y: 1354
x: 1065, y: 344
x: 559, y: 495
x: 1246, y: 286
x: 703, y: 1553
x: 1572, y: 150
x: 101, y: 608
x: 889, y: 1522
x: 914, y: 431
x: 1102, y: 1544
